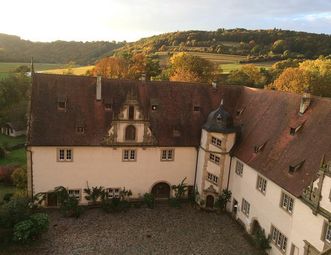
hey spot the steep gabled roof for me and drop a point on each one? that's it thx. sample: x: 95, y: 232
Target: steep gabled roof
x: 265, y: 118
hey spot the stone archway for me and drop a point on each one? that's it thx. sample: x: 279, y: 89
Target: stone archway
x: 161, y: 190
x: 210, y: 201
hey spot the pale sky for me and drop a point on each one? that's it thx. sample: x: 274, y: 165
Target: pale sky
x: 82, y: 20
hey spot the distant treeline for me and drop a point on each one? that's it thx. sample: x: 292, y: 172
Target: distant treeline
x: 14, y: 49
x: 257, y: 45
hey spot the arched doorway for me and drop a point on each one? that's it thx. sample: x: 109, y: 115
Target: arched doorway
x: 210, y: 201
x: 161, y: 190
x: 255, y: 227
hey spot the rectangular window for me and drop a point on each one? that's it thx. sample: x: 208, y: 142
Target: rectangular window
x: 64, y: 155
x: 239, y: 168
x: 215, y: 141
x: 196, y: 108
x: 261, y: 184
x: 328, y: 234
x: 212, y: 178
x: 80, y: 130
x: 74, y: 193
x: 287, y: 203
x: 113, y: 193
x: 245, y: 206
x: 167, y: 155
x: 279, y: 239
x: 129, y: 155
x: 215, y: 159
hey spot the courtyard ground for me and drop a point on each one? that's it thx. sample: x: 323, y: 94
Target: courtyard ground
x: 162, y: 230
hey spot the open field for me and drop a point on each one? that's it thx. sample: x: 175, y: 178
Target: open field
x: 162, y: 230
x: 7, y: 68
x: 76, y: 70
x: 14, y: 157
x: 5, y: 189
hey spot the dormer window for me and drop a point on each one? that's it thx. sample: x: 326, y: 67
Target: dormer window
x: 61, y: 103
x: 130, y: 133
x: 176, y: 133
x: 219, y: 117
x: 196, y: 108
x: 108, y: 106
x: 154, y: 107
x: 294, y: 130
x: 131, y: 112
x: 80, y: 130
x: 259, y: 148
x: 240, y: 111
x: 295, y: 168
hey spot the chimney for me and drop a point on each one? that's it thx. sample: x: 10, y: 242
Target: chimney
x: 305, y: 102
x: 98, y: 88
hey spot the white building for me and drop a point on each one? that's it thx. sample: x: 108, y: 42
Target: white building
x: 264, y: 146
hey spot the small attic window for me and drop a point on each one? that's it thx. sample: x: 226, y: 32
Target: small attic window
x: 80, y: 130
x: 61, y: 103
x: 108, y: 106
x: 196, y: 108
x: 294, y: 168
x: 294, y: 130
x: 219, y: 117
x: 154, y: 107
x: 258, y: 148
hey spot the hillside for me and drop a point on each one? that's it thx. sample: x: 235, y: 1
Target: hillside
x: 14, y: 49
x: 257, y: 45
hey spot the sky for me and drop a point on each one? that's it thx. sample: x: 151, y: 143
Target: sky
x: 130, y: 20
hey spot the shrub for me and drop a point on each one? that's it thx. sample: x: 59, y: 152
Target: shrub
x: 30, y: 229
x: 223, y: 199
x: 115, y: 205
x: 174, y: 202
x: 261, y: 240
x: 2, y: 153
x: 14, y: 211
x: 7, y: 197
x: 5, y: 174
x: 19, y: 178
x: 70, y: 207
x: 94, y: 194
x: 149, y: 200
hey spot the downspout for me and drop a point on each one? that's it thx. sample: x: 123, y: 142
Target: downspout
x: 196, y: 170
x: 31, y: 172
x: 227, y: 186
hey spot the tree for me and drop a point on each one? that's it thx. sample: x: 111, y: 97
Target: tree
x: 248, y: 75
x: 188, y: 68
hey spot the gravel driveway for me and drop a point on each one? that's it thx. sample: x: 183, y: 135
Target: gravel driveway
x: 162, y: 230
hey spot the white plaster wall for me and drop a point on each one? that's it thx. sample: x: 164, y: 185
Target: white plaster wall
x: 301, y: 225
x: 103, y: 166
x: 326, y: 189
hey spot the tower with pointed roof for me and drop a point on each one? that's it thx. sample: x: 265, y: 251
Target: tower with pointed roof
x: 218, y: 137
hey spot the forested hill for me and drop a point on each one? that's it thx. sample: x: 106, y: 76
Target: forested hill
x: 258, y: 44
x: 14, y: 49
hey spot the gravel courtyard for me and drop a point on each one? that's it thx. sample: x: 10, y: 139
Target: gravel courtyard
x: 162, y: 230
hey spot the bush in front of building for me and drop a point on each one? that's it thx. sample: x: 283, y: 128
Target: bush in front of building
x: 223, y: 199
x: 69, y: 205
x: 149, y: 200
x: 115, y: 205
x: 30, y: 229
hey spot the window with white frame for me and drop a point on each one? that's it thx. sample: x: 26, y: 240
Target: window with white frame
x: 261, y: 184
x: 279, y: 239
x: 113, y: 193
x: 215, y: 141
x: 64, y: 155
x: 287, y: 202
x: 328, y: 234
x: 74, y: 193
x: 215, y: 159
x: 245, y: 206
x: 212, y: 178
x: 239, y: 168
x: 129, y: 155
x: 167, y: 155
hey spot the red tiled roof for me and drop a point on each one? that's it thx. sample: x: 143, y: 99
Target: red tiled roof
x: 267, y: 117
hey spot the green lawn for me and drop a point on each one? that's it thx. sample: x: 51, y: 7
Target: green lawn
x: 5, y: 189
x: 14, y: 157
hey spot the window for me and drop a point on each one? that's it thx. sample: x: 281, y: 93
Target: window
x: 294, y: 130
x: 107, y: 106
x: 129, y: 155
x: 239, y: 168
x: 80, y: 130
x: 279, y: 239
x: 245, y: 206
x: 167, y: 155
x: 212, y: 178
x: 113, y: 193
x: 261, y: 184
x: 130, y: 133
x: 215, y: 141
x: 287, y: 203
x: 74, y: 193
x: 154, y: 107
x: 61, y: 103
x: 64, y: 155
x: 131, y: 112
x: 196, y: 108
x: 215, y: 159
